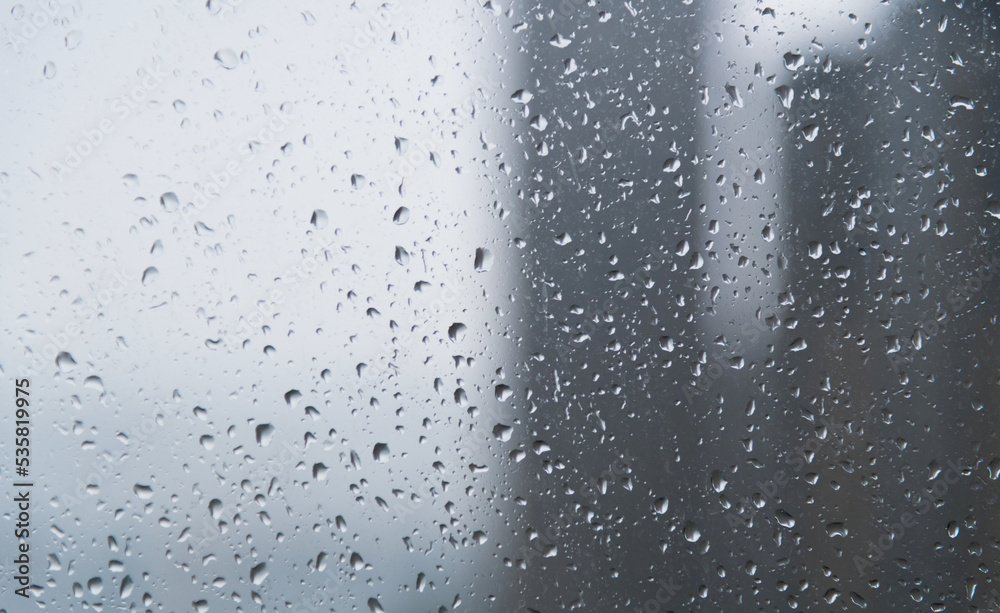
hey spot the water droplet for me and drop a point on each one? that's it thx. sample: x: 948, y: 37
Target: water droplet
x: 660, y: 505
x: 357, y: 563
x: 502, y: 432
x: 691, y: 533
x: 319, y: 219
x: 522, y: 96
x: 559, y: 41
x: 259, y: 573
x: 264, y: 433
x: 95, y: 383
x: 95, y: 585
x: 169, y: 202
x: 150, y: 275
x: 784, y: 519
x: 718, y: 481
x: 793, y: 61
x: 962, y: 102
x: 457, y: 332
x: 786, y: 95
x: 401, y: 216
x: 292, y: 398
x: 734, y: 95
x: 503, y: 392
x: 73, y: 39
x: 144, y: 492
x: 65, y: 361
x: 994, y: 468
x: 227, y: 58
x: 836, y: 529
x: 484, y: 260
x: 381, y: 453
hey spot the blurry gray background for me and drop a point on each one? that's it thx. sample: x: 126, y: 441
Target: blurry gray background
x: 578, y: 305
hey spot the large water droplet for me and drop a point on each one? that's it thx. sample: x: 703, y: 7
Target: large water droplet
x: 169, y: 202
x: 484, y: 260
x: 264, y: 433
x: 150, y: 275
x: 259, y: 573
x: 227, y: 58
x: 457, y: 332
x: 65, y: 361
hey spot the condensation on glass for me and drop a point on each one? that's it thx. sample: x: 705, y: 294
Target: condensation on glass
x: 575, y: 305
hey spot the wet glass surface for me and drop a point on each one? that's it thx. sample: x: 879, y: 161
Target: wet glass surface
x: 575, y: 305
